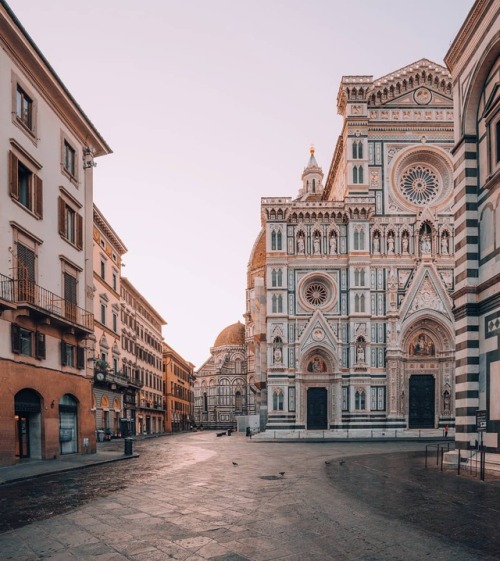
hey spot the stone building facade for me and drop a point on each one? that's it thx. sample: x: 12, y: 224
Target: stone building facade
x: 349, y: 317
x: 222, y: 389
x: 47, y: 145
x: 179, y: 391
x: 474, y: 62
x: 110, y: 382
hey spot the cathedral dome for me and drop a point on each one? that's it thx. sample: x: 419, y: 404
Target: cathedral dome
x: 231, y: 335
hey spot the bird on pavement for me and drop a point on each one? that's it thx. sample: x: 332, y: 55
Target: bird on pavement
x: 327, y: 463
x: 341, y: 462
x: 282, y: 473
x: 235, y: 464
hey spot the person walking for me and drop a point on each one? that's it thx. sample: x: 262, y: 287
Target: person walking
x: 446, y: 431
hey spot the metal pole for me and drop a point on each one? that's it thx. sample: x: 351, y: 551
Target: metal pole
x: 426, y: 456
x: 442, y: 457
x: 459, y: 461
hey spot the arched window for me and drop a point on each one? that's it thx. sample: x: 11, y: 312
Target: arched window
x: 360, y: 400
x: 280, y: 277
x: 314, y: 185
x: 362, y: 277
x: 280, y: 304
x: 275, y: 304
x: 278, y: 241
x: 356, y: 239
x: 362, y: 303
x: 237, y: 366
x: 360, y: 174
x: 355, y: 150
x: 280, y: 401
x: 360, y: 151
x: 356, y: 303
x: 273, y: 240
x: 361, y: 239
x: 356, y: 277
x: 238, y: 402
x: 273, y: 277
x: 205, y: 402
x: 355, y: 174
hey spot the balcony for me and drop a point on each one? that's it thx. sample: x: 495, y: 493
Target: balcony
x: 40, y: 301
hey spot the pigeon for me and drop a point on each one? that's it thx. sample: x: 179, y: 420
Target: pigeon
x: 282, y: 473
x: 235, y: 464
x: 327, y: 463
x: 341, y: 462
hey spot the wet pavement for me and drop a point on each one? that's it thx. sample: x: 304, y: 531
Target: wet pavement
x: 195, y: 496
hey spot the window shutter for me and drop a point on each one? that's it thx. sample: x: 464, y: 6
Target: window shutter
x: 38, y: 197
x: 13, y: 176
x: 63, y: 353
x: 80, y: 358
x: 79, y: 231
x: 16, y: 338
x: 61, y: 221
x: 40, y: 345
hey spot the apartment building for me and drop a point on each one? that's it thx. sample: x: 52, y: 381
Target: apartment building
x: 47, y: 151
x: 110, y: 382
x: 142, y: 361
x: 179, y: 391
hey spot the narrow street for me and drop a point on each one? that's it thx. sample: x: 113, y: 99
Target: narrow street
x: 195, y: 496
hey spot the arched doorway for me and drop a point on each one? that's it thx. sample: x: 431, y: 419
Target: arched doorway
x: 28, y: 419
x: 68, y: 424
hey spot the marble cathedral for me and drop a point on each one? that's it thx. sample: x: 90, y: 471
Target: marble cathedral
x: 349, y: 318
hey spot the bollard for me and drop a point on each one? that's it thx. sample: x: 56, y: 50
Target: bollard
x: 128, y: 446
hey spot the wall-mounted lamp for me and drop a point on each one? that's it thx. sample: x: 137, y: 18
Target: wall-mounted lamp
x: 52, y: 403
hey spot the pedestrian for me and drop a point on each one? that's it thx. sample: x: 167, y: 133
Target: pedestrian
x: 446, y: 431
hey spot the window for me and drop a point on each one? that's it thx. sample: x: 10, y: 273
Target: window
x: 69, y: 159
x: 360, y: 174
x: 115, y: 322
x: 26, y: 342
x: 280, y: 277
x: 25, y: 186
x: 24, y: 108
x: 273, y: 240
x: 273, y: 278
x: 355, y: 174
x: 377, y: 399
x: 70, y: 224
x: 345, y: 398
x: 115, y: 282
x: 103, y: 314
x: 278, y: 400
x: 360, y: 400
x: 67, y: 354
x: 103, y: 269
x: 115, y: 365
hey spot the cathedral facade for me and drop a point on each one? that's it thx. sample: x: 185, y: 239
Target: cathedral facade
x: 349, y: 318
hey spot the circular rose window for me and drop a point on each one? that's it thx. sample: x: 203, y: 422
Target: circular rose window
x: 419, y: 185
x: 316, y: 293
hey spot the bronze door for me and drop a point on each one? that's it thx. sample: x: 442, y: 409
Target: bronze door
x: 421, y: 406
x: 317, y: 409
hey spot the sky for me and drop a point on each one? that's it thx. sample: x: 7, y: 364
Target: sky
x: 209, y: 105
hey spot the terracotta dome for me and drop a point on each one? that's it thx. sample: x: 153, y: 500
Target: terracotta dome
x: 231, y: 335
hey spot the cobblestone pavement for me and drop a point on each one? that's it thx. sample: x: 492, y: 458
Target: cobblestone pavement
x: 281, y: 501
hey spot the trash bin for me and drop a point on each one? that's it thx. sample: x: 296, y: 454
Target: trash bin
x: 229, y: 431
x: 128, y: 446
x: 100, y: 436
x: 249, y: 431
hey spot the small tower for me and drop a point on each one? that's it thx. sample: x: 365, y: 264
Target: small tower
x: 312, y: 179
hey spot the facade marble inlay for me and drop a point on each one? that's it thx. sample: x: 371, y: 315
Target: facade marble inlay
x: 365, y: 268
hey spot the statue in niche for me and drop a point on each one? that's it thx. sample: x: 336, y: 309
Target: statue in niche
x: 300, y: 244
x: 446, y: 402
x: 277, y: 355
x: 360, y: 354
x: 390, y: 244
x: 422, y: 345
x: 444, y: 244
x: 333, y: 244
x: 376, y: 243
x: 425, y: 246
x: 317, y: 245
x: 404, y: 243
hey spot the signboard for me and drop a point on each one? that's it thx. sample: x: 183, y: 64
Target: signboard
x: 480, y: 421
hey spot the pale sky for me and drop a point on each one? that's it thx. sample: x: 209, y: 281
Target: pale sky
x: 209, y: 105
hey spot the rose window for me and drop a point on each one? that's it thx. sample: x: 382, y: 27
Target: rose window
x: 316, y: 293
x: 419, y: 185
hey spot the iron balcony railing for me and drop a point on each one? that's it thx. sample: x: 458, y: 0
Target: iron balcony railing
x: 26, y: 292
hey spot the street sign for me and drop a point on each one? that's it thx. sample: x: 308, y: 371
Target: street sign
x: 480, y: 421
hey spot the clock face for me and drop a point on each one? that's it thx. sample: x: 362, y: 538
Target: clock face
x: 100, y: 376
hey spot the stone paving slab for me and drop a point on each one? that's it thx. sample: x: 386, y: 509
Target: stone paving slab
x: 368, y: 508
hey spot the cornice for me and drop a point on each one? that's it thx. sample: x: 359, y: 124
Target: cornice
x: 108, y: 231
x: 28, y: 57
x: 472, y: 21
